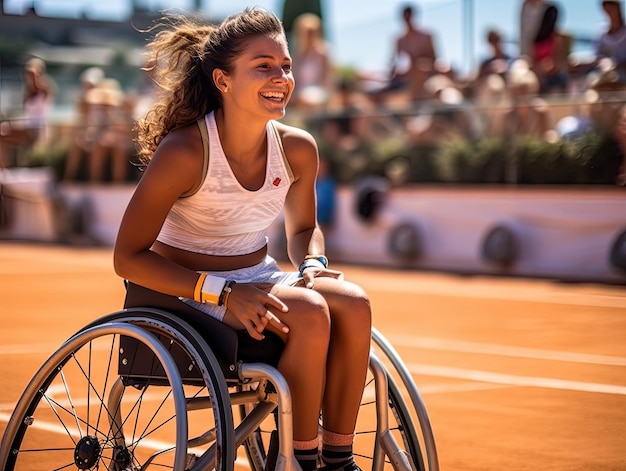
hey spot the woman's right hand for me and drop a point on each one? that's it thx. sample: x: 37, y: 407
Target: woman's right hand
x: 254, y: 307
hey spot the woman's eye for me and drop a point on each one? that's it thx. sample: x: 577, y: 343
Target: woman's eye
x: 287, y: 67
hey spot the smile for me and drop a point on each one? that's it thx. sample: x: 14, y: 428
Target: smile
x: 276, y: 96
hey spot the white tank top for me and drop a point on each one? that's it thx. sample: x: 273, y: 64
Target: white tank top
x: 223, y: 217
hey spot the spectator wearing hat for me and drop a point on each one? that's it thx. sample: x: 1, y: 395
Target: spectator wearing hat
x: 88, y: 123
x: 312, y: 64
x: 115, y: 142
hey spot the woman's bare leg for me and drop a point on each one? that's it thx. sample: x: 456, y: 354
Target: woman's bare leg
x: 348, y: 354
x: 303, y: 361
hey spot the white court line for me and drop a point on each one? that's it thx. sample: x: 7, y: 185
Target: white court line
x: 39, y: 348
x: 28, y: 349
x: 537, y: 293
x: 503, y: 350
x: 457, y: 387
x: 439, y: 388
x: 513, y: 380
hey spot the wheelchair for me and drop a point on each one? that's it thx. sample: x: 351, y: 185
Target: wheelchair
x: 153, y: 388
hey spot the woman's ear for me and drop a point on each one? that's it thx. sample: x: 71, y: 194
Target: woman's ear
x: 221, y: 80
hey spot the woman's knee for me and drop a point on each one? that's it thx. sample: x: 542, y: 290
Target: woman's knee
x: 352, y: 312
x: 359, y: 304
x: 310, y: 317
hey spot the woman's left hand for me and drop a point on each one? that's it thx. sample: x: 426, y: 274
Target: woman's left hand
x: 309, y: 275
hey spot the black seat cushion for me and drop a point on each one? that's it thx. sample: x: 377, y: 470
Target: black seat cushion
x: 230, y: 346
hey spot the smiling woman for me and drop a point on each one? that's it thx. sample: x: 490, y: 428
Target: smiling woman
x: 219, y: 169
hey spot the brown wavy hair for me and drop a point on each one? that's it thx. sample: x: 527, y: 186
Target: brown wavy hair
x: 180, y: 61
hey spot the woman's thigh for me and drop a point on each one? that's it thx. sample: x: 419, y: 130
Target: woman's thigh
x: 308, y: 312
x: 349, y: 306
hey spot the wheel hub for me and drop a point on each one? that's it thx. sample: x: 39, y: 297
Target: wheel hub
x: 87, y: 452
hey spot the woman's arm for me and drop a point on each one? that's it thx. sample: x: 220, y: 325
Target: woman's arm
x: 303, y: 234
x: 175, y: 168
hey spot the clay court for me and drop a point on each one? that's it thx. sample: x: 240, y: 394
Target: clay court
x: 516, y: 374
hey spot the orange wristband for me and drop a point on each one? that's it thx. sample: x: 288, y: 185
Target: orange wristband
x: 197, y: 291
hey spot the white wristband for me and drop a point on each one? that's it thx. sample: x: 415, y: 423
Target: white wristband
x: 210, y: 290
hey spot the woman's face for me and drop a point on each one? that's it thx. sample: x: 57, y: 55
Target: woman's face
x: 262, y: 81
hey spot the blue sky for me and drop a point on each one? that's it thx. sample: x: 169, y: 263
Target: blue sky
x: 361, y: 32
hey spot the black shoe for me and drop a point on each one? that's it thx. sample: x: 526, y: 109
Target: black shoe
x: 272, y: 452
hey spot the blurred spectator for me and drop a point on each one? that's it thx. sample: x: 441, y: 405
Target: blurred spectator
x: 343, y: 128
x: 89, y: 121
x: 414, y: 56
x: 612, y: 42
x: 531, y: 14
x: 550, y: 53
x: 608, y: 111
x: 498, y: 60
x: 107, y: 131
x: 115, y: 143
x: 490, y: 98
x: 312, y: 64
x: 488, y: 88
x: 443, y: 116
x: 351, y: 123
x: 529, y: 114
x: 29, y: 129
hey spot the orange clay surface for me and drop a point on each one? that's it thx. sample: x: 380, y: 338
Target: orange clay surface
x: 516, y: 374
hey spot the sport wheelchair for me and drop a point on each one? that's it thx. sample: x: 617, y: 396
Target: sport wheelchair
x: 158, y: 388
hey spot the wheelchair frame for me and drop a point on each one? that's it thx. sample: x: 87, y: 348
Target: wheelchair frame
x: 170, y: 352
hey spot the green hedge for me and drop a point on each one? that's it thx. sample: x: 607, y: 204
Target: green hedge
x: 592, y: 159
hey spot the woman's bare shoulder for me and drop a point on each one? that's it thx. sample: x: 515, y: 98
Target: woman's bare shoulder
x: 296, y: 139
x: 182, y: 140
x: 179, y: 156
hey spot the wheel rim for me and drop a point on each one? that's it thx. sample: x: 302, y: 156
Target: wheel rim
x: 66, y: 416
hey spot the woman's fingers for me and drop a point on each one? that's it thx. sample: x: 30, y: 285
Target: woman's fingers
x: 273, y: 301
x: 254, y: 332
x: 256, y: 310
x: 276, y: 321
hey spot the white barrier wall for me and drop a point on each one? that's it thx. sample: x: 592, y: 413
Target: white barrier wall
x: 564, y: 233
x: 560, y: 233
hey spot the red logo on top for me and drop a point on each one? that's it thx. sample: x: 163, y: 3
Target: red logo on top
x: 276, y: 181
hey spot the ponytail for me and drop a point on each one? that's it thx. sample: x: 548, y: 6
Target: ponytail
x: 184, y: 93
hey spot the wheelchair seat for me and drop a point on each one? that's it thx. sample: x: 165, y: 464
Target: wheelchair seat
x: 231, y: 347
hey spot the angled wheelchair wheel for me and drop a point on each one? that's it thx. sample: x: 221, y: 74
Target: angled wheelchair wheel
x: 385, y: 437
x: 130, y: 391
x: 409, y: 400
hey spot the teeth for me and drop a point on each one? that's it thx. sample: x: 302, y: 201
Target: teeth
x: 273, y: 95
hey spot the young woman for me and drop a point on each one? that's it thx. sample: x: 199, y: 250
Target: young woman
x: 195, y: 227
